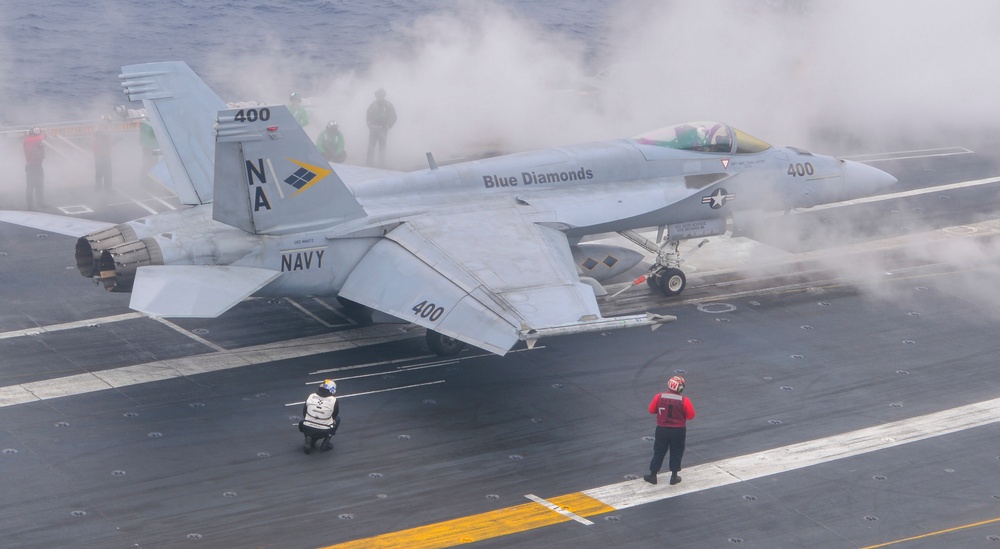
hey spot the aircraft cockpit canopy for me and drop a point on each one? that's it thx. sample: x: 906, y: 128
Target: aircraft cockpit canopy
x: 703, y: 137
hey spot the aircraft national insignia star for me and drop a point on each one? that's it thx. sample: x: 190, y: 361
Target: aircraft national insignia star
x: 717, y: 199
x: 306, y: 176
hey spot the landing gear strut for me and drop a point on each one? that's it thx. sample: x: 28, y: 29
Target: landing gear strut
x: 666, y: 275
x: 442, y: 344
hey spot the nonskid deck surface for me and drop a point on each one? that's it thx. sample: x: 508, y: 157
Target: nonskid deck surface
x: 121, y: 431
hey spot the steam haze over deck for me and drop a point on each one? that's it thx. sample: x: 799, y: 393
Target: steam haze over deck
x: 842, y: 361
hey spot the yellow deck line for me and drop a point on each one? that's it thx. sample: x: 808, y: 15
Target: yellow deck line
x: 624, y: 495
x: 492, y: 524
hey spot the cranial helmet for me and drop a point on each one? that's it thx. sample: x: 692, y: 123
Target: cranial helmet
x: 36, y: 131
x: 295, y: 97
x: 332, y: 125
x: 329, y: 385
x: 380, y: 93
x: 676, y: 384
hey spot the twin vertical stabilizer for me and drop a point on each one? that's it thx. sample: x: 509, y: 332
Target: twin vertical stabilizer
x: 181, y: 109
x: 271, y: 179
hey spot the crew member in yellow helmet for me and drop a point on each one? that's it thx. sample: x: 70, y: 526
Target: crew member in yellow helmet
x: 320, y: 417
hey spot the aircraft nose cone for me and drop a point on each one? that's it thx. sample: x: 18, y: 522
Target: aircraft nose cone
x: 865, y: 179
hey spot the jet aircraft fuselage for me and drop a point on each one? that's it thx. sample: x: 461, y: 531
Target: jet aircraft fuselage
x: 486, y: 252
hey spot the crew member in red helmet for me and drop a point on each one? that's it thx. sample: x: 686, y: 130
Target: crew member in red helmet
x: 672, y: 413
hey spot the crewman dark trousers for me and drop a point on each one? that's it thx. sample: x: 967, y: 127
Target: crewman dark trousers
x: 35, y: 177
x: 102, y: 173
x: 668, y: 439
x: 376, y: 139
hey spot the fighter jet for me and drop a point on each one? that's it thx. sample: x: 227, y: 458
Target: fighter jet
x: 486, y: 253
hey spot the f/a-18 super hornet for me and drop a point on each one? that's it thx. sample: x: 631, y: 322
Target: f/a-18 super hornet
x: 486, y: 252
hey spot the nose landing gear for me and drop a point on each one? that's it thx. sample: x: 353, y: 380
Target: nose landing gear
x: 669, y: 280
x: 665, y: 275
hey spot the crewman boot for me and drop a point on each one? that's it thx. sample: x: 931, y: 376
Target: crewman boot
x: 674, y: 479
x: 650, y: 478
x: 326, y: 445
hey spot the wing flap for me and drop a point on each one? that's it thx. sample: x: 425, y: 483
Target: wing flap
x: 393, y: 280
x: 194, y: 291
x: 482, y: 277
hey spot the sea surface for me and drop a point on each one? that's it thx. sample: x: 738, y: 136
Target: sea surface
x: 827, y: 75
x: 57, y: 55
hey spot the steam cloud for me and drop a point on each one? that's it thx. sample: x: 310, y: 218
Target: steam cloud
x: 830, y: 75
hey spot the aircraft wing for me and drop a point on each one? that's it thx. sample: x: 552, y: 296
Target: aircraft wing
x: 488, y: 278
x: 59, y: 224
x: 194, y: 291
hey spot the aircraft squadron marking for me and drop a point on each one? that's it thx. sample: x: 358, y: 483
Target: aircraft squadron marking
x: 534, y: 178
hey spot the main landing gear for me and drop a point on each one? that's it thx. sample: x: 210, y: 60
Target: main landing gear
x: 443, y: 345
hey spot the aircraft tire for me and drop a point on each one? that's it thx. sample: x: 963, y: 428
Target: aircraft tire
x: 652, y: 281
x: 443, y: 345
x: 672, y: 281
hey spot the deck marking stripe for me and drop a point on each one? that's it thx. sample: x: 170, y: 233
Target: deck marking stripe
x: 373, y: 374
x: 908, y: 155
x: 559, y: 510
x: 803, y: 454
x: 139, y: 203
x: 187, y: 333
x: 196, y: 364
x: 702, y: 477
x: 930, y: 534
x: 334, y: 310
x: 371, y: 364
x: 904, y: 194
x: 488, y: 525
x: 377, y: 391
x: 314, y: 317
x: 161, y: 201
x: 70, y: 325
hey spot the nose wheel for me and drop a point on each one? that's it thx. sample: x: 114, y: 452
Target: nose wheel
x: 669, y: 280
x: 665, y: 274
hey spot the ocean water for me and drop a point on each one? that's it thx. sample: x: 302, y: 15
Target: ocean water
x: 63, y: 56
x: 519, y: 74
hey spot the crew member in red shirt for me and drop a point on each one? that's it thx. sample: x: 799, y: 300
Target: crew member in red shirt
x: 34, y: 154
x: 102, y: 154
x: 672, y: 413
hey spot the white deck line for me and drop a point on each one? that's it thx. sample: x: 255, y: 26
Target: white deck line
x: 557, y: 509
x: 198, y: 364
x: 804, y: 454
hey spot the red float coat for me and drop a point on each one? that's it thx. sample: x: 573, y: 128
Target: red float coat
x: 671, y: 409
x: 34, y: 150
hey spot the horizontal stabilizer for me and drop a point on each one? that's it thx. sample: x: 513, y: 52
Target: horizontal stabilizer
x: 59, y: 224
x: 194, y: 291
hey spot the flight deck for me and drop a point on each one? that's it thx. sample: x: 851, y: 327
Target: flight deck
x: 842, y: 365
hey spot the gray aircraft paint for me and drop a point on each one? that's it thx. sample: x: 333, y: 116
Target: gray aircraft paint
x: 480, y: 251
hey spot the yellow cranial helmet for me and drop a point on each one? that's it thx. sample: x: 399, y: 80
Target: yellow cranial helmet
x: 329, y: 385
